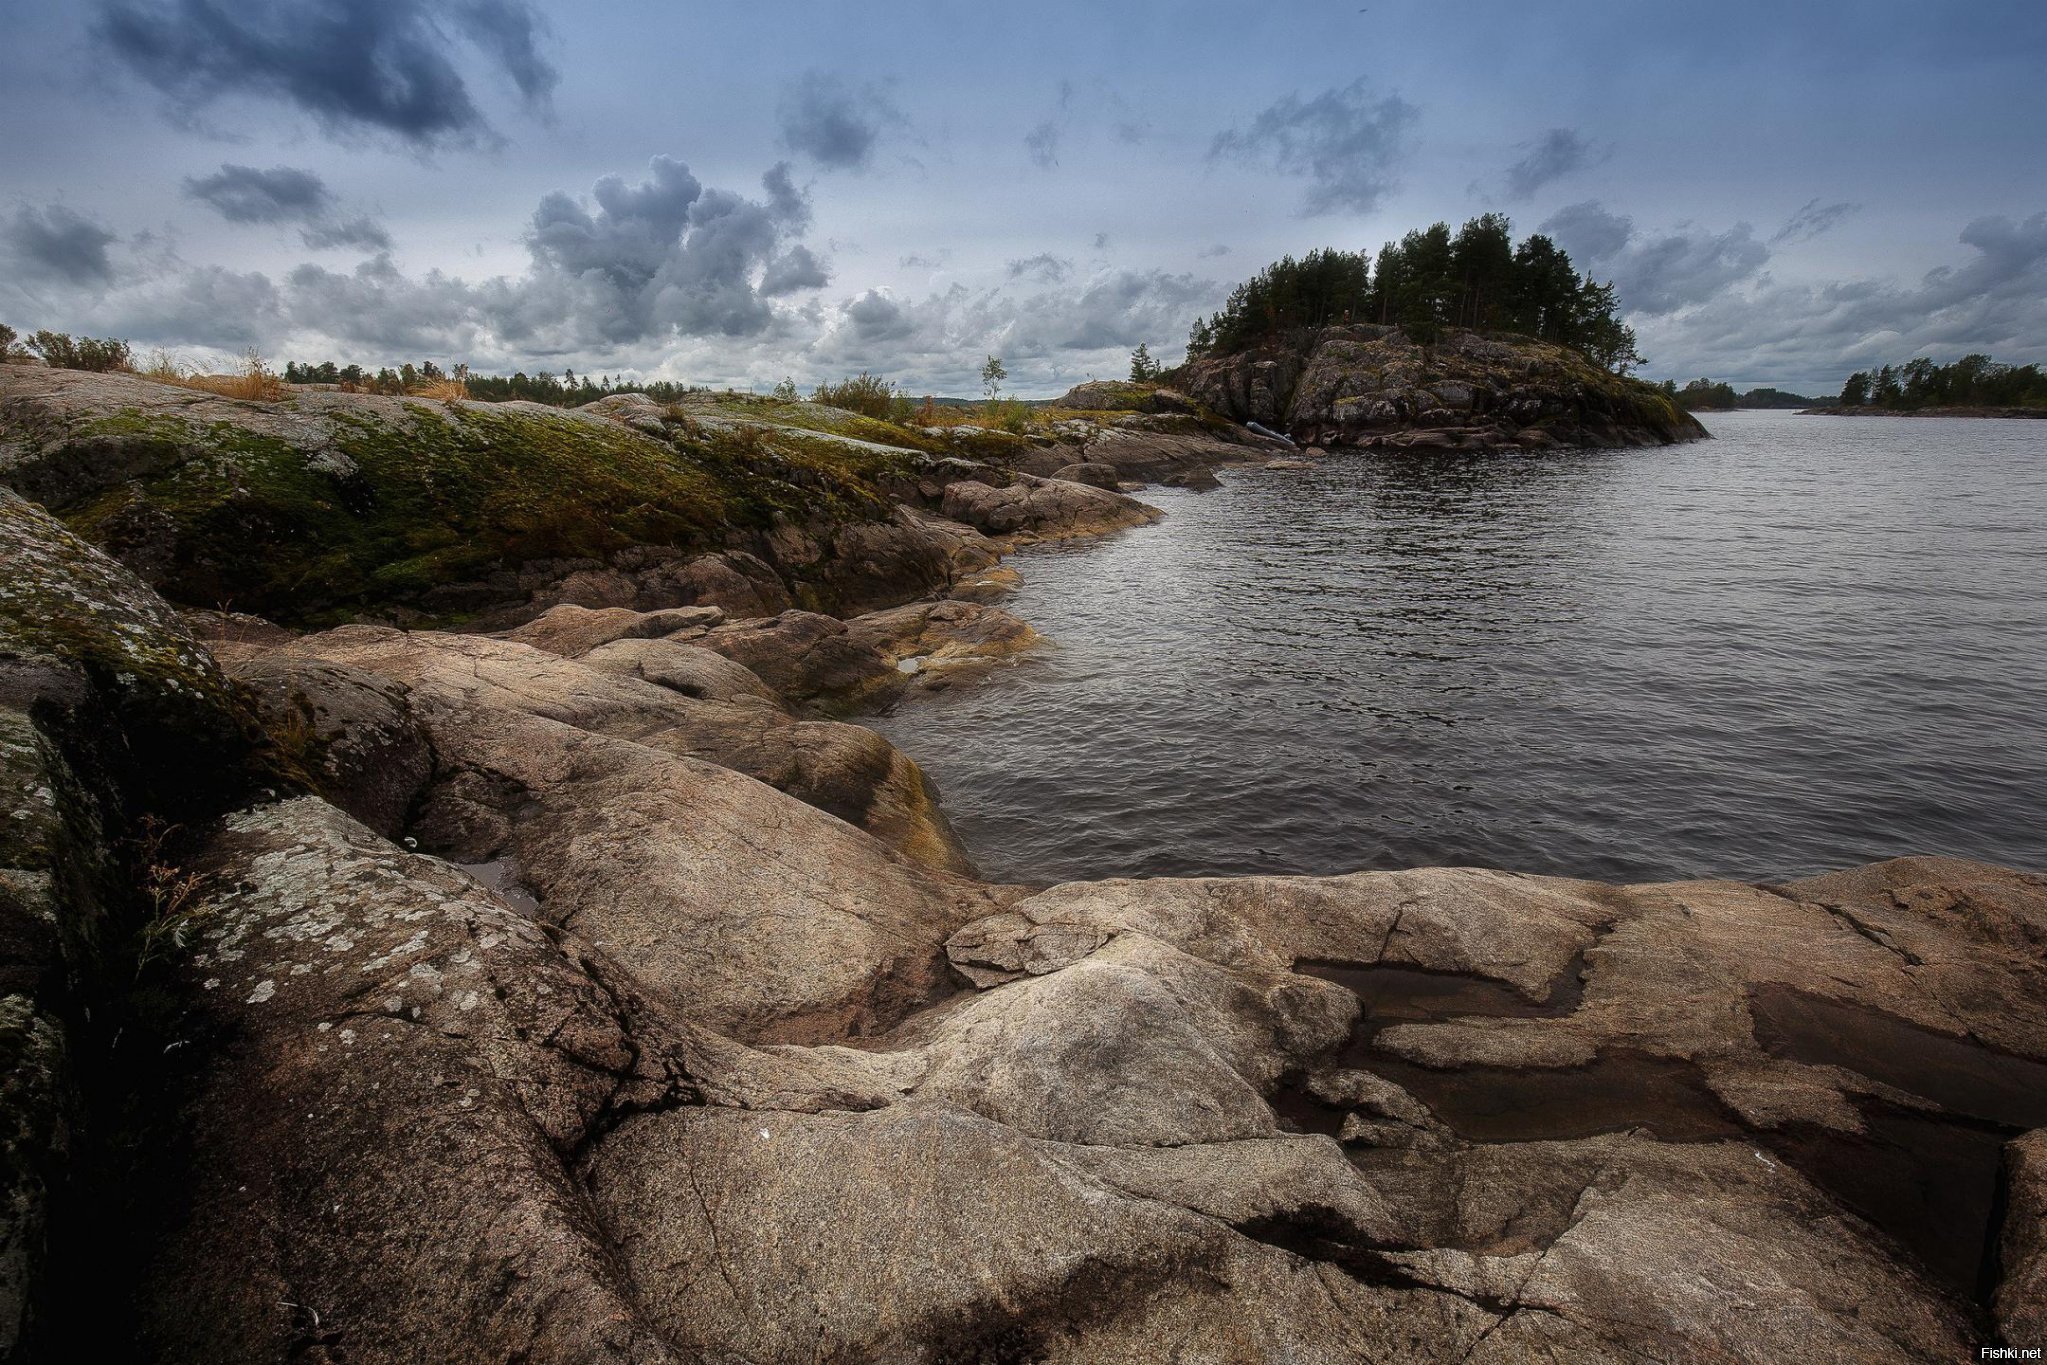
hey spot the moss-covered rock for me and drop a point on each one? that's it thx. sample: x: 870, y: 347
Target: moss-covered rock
x: 115, y: 725
x: 330, y: 503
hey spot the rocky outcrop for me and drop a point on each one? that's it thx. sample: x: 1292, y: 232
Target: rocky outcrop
x: 660, y: 694
x: 1122, y: 1148
x: 1367, y: 386
x: 329, y: 502
x: 1029, y: 508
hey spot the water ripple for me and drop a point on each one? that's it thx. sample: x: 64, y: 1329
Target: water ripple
x: 1807, y: 644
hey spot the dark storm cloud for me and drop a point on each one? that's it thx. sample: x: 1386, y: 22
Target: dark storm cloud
x: 1556, y: 154
x: 244, y: 194
x: 1345, y: 142
x: 57, y: 244
x: 1044, y: 268
x: 285, y: 194
x: 378, y: 65
x: 834, y: 122
x: 664, y: 255
x: 201, y: 306
x: 510, y: 31
x: 1657, y: 273
x: 790, y: 203
x: 636, y: 264
x: 877, y: 317
x: 1812, y: 220
x: 352, y: 234
x: 795, y: 270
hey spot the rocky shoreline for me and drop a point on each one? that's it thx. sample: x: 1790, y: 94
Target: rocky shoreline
x: 579, y: 985
x: 1371, y: 388
x: 2004, y: 413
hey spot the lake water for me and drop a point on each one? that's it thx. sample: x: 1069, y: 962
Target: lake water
x: 1809, y: 643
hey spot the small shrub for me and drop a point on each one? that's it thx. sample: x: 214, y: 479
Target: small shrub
x: 785, y: 392
x: 173, y: 922
x: 1006, y: 414
x: 867, y: 395
x: 446, y: 390
x: 62, y: 351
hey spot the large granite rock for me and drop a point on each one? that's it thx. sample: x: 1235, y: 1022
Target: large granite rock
x: 1098, y: 1156
x: 658, y: 694
x: 1373, y: 386
x: 1031, y: 508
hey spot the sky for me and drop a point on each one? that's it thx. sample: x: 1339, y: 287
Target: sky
x: 1781, y: 192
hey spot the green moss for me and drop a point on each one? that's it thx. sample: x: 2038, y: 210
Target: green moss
x: 60, y: 600
x: 397, y: 506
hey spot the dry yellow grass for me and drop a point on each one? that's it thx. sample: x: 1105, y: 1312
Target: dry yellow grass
x: 256, y: 381
x: 447, y: 390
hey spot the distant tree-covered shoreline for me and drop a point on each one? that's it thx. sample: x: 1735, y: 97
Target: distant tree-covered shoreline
x: 1426, y: 282
x: 566, y: 390
x: 1974, y: 381
x: 1706, y: 395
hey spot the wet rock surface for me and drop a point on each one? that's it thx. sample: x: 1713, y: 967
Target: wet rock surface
x: 1032, y: 508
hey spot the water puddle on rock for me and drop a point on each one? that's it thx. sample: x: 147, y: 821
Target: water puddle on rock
x: 1931, y: 1180
x: 502, y: 876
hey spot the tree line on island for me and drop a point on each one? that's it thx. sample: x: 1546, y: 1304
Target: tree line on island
x: 1974, y: 381
x: 1429, y: 281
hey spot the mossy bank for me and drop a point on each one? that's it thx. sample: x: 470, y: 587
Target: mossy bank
x: 330, y: 505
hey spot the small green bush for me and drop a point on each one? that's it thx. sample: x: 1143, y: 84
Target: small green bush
x: 1006, y: 414
x: 868, y: 395
x: 62, y: 351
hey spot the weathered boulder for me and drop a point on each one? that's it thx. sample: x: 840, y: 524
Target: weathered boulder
x: 811, y: 660
x: 2021, y: 1299
x: 573, y: 631
x: 1094, y: 473
x: 934, y: 640
x: 397, y: 1067
x: 662, y: 695
x: 1032, y: 508
x: 766, y: 918
x: 930, y: 1235
x: 353, y: 734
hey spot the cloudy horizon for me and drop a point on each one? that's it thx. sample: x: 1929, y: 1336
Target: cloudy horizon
x: 1780, y: 194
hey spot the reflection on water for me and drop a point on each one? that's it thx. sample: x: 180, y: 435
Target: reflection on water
x: 1810, y: 643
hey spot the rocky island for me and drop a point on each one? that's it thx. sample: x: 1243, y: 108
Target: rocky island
x: 449, y: 915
